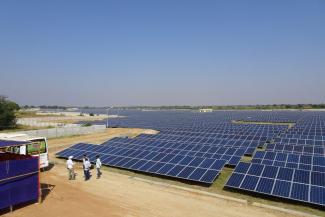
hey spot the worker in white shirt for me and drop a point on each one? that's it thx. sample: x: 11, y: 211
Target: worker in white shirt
x: 87, y: 166
x: 83, y: 163
x: 70, y: 168
x: 98, y: 166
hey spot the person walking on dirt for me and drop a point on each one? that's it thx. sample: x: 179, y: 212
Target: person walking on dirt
x: 70, y: 168
x: 98, y: 166
x: 87, y: 166
x: 83, y: 164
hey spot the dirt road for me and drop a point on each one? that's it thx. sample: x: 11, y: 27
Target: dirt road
x: 95, y: 138
x: 119, y: 195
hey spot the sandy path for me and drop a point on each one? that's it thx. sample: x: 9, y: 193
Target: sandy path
x: 120, y: 195
x: 95, y: 138
x: 66, y: 199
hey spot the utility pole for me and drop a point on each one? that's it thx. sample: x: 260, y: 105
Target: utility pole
x: 107, y: 117
x: 107, y: 109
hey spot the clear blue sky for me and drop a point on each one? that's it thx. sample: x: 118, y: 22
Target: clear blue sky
x: 165, y: 52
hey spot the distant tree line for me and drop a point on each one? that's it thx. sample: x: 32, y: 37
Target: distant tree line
x: 52, y: 107
x: 7, y: 113
x: 45, y: 107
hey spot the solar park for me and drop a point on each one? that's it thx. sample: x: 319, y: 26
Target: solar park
x: 287, y: 150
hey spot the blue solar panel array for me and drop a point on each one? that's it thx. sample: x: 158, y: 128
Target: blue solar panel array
x: 295, y: 184
x: 196, y: 138
x: 293, y: 165
x: 195, y: 146
x: 161, y: 119
x: 295, y: 161
x: 200, y: 169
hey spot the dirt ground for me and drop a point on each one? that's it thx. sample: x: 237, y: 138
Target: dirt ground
x: 96, y: 138
x: 121, y: 195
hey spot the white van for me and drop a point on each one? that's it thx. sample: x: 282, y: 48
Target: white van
x: 37, y: 146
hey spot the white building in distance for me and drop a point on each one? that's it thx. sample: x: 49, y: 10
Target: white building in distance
x: 206, y: 110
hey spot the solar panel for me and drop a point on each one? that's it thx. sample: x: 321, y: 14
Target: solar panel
x: 199, y: 169
x: 294, y: 184
x: 231, y: 155
x: 296, y: 161
x: 194, y: 146
x: 299, y: 149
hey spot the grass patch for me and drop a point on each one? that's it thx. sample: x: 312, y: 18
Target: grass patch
x: 32, y: 114
x: 246, y: 159
x: 86, y: 125
x: 66, y: 137
x: 264, y: 123
x: 222, y: 179
x: 263, y: 148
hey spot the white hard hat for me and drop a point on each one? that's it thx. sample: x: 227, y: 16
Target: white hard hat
x: 70, y: 157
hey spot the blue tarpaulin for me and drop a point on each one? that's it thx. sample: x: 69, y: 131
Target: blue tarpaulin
x: 19, y: 179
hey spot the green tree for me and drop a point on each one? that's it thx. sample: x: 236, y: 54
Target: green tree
x: 7, y: 113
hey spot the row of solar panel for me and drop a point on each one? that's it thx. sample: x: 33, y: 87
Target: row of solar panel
x: 290, y: 158
x: 250, y: 146
x: 226, y: 129
x: 282, y: 182
x: 288, y: 137
x: 226, y: 126
x: 307, y: 132
x: 189, y: 149
x: 307, y: 129
x: 211, y: 125
x: 162, y: 142
x: 300, y: 141
x: 281, y: 173
x: 196, y: 124
x: 200, y: 139
x: 208, y: 140
x: 208, y: 137
x: 269, y: 119
x: 195, y: 128
x: 297, y: 149
x: 303, y: 162
x: 194, y: 147
x: 184, y: 118
x: 204, y: 170
x: 223, y: 132
x: 310, y: 127
x: 232, y: 156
